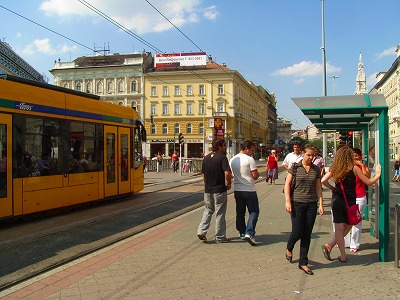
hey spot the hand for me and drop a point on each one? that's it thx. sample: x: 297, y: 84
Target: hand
x: 378, y: 170
x: 288, y: 207
x: 359, y: 163
x: 321, y: 210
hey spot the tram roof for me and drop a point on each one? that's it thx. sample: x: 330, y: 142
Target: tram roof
x: 350, y: 112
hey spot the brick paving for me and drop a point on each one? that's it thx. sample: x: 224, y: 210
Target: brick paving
x: 170, y: 262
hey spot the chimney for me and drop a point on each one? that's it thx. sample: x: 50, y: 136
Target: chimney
x: 210, y: 58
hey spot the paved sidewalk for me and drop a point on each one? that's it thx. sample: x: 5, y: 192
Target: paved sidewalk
x: 169, y: 262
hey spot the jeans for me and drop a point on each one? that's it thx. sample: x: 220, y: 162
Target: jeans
x: 249, y: 200
x: 214, y: 202
x: 303, y: 219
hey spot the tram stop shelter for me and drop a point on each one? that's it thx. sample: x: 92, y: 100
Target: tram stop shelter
x: 369, y: 115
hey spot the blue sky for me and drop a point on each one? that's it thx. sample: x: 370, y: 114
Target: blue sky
x: 273, y: 43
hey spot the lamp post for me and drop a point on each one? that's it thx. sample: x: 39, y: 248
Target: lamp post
x: 334, y: 77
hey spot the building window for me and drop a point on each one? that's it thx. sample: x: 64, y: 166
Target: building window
x: 189, y: 108
x: 177, y: 109
x: 201, y: 128
x: 153, y: 109
x: 165, y: 129
x: 153, y: 129
x: 177, y: 90
x: 189, y: 90
x: 121, y: 86
x: 201, y: 89
x: 110, y: 87
x: 154, y: 91
x: 79, y: 87
x: 202, y: 107
x: 134, y: 86
x: 99, y: 87
x: 220, y: 88
x: 189, y: 128
x: 165, y: 90
x: 165, y: 109
x: 220, y: 107
x: 176, y: 128
x: 89, y: 87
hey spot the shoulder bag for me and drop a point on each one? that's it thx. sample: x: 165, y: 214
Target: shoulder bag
x: 353, y: 212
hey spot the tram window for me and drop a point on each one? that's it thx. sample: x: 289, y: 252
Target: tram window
x: 83, y: 147
x: 41, y: 147
x: 136, y: 144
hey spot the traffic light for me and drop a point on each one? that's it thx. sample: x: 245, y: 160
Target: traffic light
x: 180, y: 138
x: 346, y: 138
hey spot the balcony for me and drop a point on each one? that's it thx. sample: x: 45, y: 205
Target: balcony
x: 220, y: 114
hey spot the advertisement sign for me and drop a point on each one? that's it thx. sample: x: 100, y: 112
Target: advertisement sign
x: 218, y: 124
x: 219, y: 133
x: 180, y: 59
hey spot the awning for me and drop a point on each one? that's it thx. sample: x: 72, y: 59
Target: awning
x: 341, y: 112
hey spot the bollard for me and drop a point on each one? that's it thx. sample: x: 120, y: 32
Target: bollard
x: 396, y: 234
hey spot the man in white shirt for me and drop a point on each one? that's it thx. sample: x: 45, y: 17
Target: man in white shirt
x: 245, y: 174
x: 293, y: 157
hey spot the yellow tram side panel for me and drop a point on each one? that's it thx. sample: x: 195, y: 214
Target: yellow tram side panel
x: 25, y: 93
x: 50, y: 192
x: 138, y: 179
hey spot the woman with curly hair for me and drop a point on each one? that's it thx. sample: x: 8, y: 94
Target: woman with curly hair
x: 343, y: 171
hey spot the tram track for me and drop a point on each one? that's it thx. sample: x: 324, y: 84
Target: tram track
x: 37, y: 254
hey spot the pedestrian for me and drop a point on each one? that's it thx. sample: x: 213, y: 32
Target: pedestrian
x: 343, y: 172
x: 292, y: 157
x: 175, y: 161
x: 186, y: 167
x: 319, y: 161
x: 159, y: 162
x: 361, y: 200
x: 145, y: 162
x: 217, y: 178
x: 302, y: 204
x: 396, y: 168
x: 272, y: 167
x: 245, y: 174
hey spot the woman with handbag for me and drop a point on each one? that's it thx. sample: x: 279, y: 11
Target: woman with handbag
x: 272, y: 167
x: 343, y: 172
x: 303, y: 191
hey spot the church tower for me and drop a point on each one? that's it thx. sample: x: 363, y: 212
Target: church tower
x: 361, y: 81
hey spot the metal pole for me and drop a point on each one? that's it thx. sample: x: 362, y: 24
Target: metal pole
x: 204, y: 126
x: 324, y: 138
x: 396, y: 235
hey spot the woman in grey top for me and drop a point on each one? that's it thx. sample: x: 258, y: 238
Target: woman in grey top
x: 301, y: 202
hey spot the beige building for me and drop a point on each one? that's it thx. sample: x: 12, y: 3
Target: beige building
x: 389, y: 85
x: 116, y: 78
x: 193, y: 100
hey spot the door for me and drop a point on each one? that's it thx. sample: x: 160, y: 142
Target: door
x: 110, y: 161
x: 124, y: 161
x: 5, y: 166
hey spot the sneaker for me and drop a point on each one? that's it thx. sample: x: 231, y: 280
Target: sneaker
x: 242, y: 236
x: 224, y: 240
x: 250, y: 239
x: 202, y: 237
x: 354, y: 250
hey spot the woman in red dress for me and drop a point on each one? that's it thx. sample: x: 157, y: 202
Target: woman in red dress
x: 272, y: 167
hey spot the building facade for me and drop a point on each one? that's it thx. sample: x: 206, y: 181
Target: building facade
x: 389, y: 85
x: 116, y: 78
x: 203, y: 102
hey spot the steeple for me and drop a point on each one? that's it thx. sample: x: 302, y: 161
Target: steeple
x: 361, y: 81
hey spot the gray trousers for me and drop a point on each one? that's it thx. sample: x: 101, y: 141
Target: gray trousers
x: 214, y: 202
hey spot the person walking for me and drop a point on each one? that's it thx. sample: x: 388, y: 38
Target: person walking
x: 217, y: 178
x: 245, y: 174
x: 159, y: 162
x: 343, y: 172
x: 292, y: 157
x: 301, y: 203
x: 354, y: 239
x: 396, y: 169
x: 272, y: 167
x: 175, y: 161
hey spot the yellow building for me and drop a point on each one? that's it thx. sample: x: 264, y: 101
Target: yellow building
x: 188, y: 99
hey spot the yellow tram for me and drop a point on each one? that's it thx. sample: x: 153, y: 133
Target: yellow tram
x: 60, y: 147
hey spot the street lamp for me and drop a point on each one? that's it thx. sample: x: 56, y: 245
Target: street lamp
x: 334, y: 77
x: 204, y: 126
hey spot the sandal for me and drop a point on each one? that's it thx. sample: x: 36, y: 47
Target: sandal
x: 326, y: 252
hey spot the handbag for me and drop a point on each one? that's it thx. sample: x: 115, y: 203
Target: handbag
x: 353, y: 212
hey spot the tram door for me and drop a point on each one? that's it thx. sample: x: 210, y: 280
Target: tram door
x: 116, y: 161
x: 5, y: 166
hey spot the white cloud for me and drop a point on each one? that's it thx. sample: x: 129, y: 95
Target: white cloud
x: 306, y: 68
x: 299, y: 81
x: 136, y: 15
x: 44, y: 46
x: 387, y: 52
x: 372, y: 80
